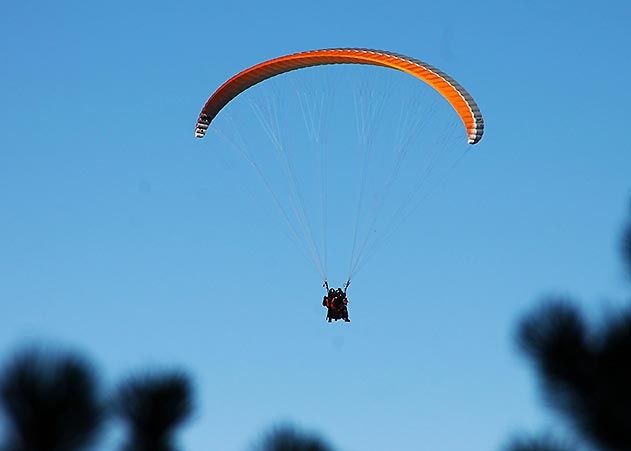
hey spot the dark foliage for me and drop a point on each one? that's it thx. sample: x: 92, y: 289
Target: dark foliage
x: 288, y: 439
x: 556, y: 337
x: 585, y: 375
x: 538, y: 444
x: 153, y: 407
x: 626, y: 248
x: 51, y: 403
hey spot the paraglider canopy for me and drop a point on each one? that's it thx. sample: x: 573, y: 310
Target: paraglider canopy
x: 455, y: 94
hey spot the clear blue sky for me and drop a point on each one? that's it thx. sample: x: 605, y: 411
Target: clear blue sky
x: 122, y: 236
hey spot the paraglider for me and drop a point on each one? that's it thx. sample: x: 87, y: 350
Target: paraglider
x: 336, y: 300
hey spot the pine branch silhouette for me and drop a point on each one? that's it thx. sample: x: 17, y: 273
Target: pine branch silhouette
x: 538, y: 444
x: 153, y: 407
x: 585, y: 375
x: 287, y: 438
x: 555, y: 337
x: 585, y: 372
x: 626, y: 248
x: 51, y: 403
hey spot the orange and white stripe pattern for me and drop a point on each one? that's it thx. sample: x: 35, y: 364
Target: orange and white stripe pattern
x: 455, y: 94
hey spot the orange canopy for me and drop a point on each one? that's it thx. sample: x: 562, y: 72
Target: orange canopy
x: 455, y: 94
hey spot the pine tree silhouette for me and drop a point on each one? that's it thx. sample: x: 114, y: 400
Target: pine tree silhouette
x: 51, y: 403
x: 287, y: 438
x: 539, y: 444
x: 153, y: 407
x: 584, y: 370
x: 626, y: 248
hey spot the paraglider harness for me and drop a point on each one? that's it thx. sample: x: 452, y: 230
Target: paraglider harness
x: 336, y: 301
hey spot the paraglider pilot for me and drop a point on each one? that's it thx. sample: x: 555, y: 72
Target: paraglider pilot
x: 336, y: 301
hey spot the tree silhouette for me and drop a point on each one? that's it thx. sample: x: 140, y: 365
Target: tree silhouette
x: 584, y: 370
x: 286, y: 438
x: 153, y: 407
x: 51, y: 403
x: 626, y: 247
x: 539, y: 444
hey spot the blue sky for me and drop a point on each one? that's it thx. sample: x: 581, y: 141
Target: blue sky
x: 123, y: 237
